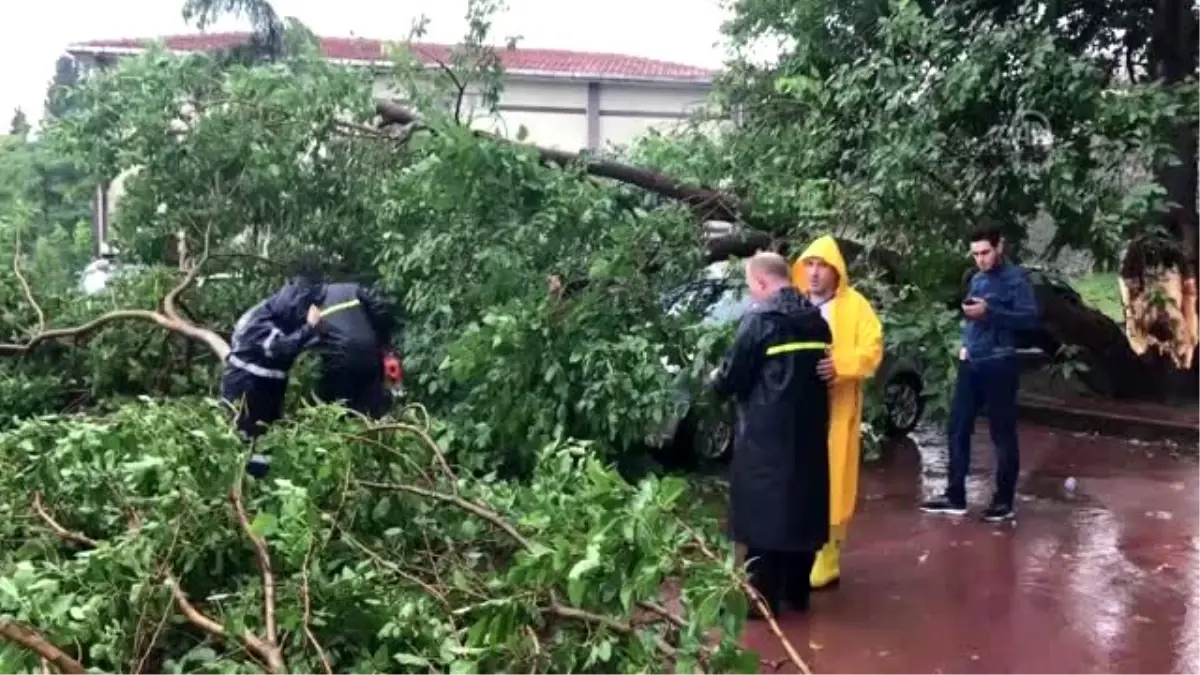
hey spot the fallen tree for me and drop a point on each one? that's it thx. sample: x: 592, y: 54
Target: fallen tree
x: 370, y: 551
x: 371, y: 548
x: 1117, y: 367
x: 306, y: 583
x: 706, y: 203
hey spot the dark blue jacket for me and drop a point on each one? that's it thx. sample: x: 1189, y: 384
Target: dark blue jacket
x: 1010, y: 308
x: 268, y: 338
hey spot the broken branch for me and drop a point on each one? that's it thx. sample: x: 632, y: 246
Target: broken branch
x: 57, y: 528
x: 428, y: 440
x: 306, y: 620
x: 168, y: 319
x: 253, y: 644
x: 38, y: 644
x: 464, y: 504
x: 460, y: 89
x: 394, y: 568
x: 555, y: 608
x: 268, y: 650
x: 612, y: 624
x: 16, y: 264
x: 271, y: 650
x: 756, y: 598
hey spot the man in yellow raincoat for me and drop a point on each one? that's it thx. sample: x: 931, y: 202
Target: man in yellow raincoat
x: 820, y: 273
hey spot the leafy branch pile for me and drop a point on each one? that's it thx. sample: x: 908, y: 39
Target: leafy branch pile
x: 141, y: 548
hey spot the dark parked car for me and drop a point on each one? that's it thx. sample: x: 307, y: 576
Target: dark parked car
x: 705, y: 432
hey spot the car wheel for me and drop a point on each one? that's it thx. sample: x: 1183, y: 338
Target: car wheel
x: 903, y: 404
x: 712, y: 440
x: 701, y: 439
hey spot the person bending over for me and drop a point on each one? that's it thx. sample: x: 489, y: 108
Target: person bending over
x: 266, y: 341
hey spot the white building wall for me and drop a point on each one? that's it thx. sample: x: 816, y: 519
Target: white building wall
x: 555, y: 113
x: 545, y: 93
x: 663, y: 98
x: 560, y: 131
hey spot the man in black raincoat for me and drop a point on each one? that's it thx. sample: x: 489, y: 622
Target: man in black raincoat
x: 266, y: 341
x: 355, y: 334
x: 779, y: 493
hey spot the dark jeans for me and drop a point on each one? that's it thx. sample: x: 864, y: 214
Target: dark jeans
x: 991, y: 384
x: 259, y: 403
x: 259, y: 400
x: 779, y: 575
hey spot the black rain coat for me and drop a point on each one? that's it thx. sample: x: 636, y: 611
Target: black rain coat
x: 269, y: 336
x: 356, y: 328
x: 779, y: 492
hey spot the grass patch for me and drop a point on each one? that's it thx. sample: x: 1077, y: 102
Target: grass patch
x: 1101, y: 291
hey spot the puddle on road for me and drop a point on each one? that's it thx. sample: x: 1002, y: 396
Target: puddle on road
x: 1057, y: 468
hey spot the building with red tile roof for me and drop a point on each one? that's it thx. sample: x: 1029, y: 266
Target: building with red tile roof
x: 362, y: 51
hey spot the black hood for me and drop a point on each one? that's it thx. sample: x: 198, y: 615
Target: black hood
x: 293, y: 300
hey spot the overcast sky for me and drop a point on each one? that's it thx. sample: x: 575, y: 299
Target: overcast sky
x: 687, y: 31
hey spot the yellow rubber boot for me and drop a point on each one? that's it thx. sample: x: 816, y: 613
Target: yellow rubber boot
x: 827, y: 567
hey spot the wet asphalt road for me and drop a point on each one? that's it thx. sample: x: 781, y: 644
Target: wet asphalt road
x: 1101, y: 579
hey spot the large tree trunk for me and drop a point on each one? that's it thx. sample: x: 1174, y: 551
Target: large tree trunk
x: 1158, y: 280
x: 1114, y: 369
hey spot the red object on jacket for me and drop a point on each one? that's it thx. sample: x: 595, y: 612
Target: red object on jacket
x: 393, y: 369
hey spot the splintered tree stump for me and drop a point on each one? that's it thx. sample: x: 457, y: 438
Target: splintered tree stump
x: 1158, y: 291
x: 1113, y: 368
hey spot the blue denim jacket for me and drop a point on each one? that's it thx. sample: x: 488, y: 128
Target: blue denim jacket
x: 1010, y: 307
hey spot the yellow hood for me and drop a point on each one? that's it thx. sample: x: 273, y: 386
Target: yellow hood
x: 825, y: 249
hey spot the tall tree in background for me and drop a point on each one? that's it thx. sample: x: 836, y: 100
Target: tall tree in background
x: 19, y: 126
x: 63, y: 198
x: 66, y: 77
x: 266, y: 27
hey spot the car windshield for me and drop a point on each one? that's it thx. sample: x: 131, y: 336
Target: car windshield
x: 718, y: 301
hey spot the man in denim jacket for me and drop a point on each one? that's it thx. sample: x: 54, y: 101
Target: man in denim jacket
x: 999, y: 304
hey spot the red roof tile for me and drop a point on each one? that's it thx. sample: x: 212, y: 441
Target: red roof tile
x: 548, y: 61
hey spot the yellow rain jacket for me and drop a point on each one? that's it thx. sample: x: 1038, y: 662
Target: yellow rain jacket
x: 857, y: 352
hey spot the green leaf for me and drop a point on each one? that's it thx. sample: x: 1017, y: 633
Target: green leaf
x: 201, y: 655
x: 264, y: 524
x: 8, y: 588
x: 582, y: 567
x: 412, y: 660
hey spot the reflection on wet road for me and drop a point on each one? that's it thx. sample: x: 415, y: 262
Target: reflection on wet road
x: 1099, y: 573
